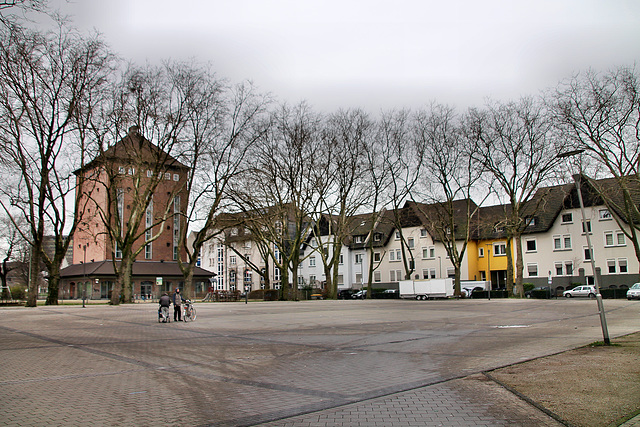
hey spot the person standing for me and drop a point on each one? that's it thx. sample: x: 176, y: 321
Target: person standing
x: 165, y: 302
x: 177, y: 306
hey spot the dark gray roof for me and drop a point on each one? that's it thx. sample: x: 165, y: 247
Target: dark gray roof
x: 140, y: 269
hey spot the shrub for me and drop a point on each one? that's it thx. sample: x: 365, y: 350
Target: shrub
x: 271, y: 294
x: 528, y: 286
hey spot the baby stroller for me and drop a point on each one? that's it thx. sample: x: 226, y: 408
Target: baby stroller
x: 163, y: 315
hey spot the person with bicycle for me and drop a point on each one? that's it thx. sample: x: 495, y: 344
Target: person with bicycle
x: 177, y: 306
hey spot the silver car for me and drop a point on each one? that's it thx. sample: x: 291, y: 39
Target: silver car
x: 581, y: 291
x: 634, y: 291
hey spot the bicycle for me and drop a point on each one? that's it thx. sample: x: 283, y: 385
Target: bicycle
x: 189, y: 311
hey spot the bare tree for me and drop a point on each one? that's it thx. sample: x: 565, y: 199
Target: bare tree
x: 515, y: 145
x: 340, y: 189
x: 448, y: 180
x: 281, y: 194
x: 403, y: 156
x: 14, y: 251
x: 222, y: 126
x: 48, y: 80
x: 600, y: 114
x: 130, y: 182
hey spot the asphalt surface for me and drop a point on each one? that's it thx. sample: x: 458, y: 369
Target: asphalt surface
x: 313, y: 363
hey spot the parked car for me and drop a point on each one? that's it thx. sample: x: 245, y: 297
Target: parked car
x: 362, y: 294
x: 466, y: 292
x: 540, y: 290
x: 345, y: 293
x: 581, y: 291
x: 634, y: 291
x: 390, y: 291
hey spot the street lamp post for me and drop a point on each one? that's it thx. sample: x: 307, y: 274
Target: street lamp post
x: 489, y: 269
x: 577, y: 178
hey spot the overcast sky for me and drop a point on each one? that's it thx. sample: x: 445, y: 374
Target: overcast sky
x: 375, y: 54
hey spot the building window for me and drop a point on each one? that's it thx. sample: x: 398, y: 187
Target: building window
x: 481, y: 252
x: 149, y: 173
x: 604, y: 215
x: 587, y: 254
x: 376, y: 256
x: 432, y: 273
x: 247, y: 277
x: 423, y: 232
x: 410, y: 242
x: 398, y: 254
x: 341, y: 259
x: 276, y: 274
x: 176, y: 177
x: 121, y: 170
x: 614, y: 238
x: 377, y: 277
x: 567, y: 218
x: 531, y: 245
x: 559, y: 269
x: 499, y: 249
x: 425, y: 253
x: 425, y: 273
x: 530, y: 221
x: 232, y: 259
x: 312, y: 261
x: 392, y: 255
x: 148, y: 234
x: 220, y: 254
x: 392, y: 276
x: 359, y: 239
x: 358, y: 258
x: 176, y: 226
x: 167, y: 176
x: 588, y: 226
x: 377, y: 237
x: 397, y: 235
x: 611, y: 266
x: 451, y: 272
x: 561, y: 243
x: 622, y: 265
x: 312, y: 279
x: 568, y: 267
x: 532, y: 270
x: 432, y: 252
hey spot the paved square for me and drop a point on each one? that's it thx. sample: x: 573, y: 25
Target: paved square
x: 381, y: 362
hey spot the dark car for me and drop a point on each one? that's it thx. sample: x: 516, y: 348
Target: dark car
x: 539, y: 292
x: 345, y: 293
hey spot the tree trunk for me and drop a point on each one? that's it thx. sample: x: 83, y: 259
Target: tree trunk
x: 519, y: 266
x: 456, y: 282
x: 54, y: 286
x: 127, y: 281
x: 510, y: 280
x: 34, y: 278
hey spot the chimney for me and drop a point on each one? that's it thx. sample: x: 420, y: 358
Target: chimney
x: 134, y: 131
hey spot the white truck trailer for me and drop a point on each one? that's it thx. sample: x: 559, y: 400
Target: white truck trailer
x: 426, y: 289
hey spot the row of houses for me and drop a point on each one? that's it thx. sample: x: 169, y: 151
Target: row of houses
x: 388, y: 246
x: 554, y: 247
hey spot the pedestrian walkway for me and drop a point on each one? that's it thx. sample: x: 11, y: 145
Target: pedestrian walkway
x: 472, y: 401
x: 315, y: 363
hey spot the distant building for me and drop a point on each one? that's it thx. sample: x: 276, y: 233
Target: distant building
x: 127, y: 167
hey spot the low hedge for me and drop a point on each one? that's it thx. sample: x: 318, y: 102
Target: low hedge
x: 613, y: 293
x: 494, y: 294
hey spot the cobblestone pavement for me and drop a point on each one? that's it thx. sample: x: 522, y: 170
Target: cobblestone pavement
x: 315, y: 363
